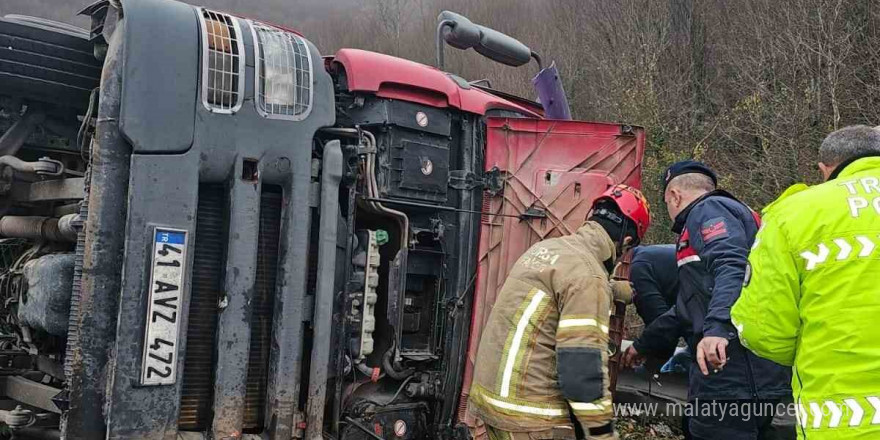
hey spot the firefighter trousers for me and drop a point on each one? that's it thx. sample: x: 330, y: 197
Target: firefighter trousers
x: 557, y: 433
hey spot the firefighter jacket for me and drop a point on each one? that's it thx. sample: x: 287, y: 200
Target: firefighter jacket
x: 544, y: 351
x: 812, y: 300
x: 654, y: 277
x: 716, y: 233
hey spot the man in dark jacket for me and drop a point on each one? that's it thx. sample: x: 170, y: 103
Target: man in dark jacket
x: 654, y: 277
x: 736, y: 400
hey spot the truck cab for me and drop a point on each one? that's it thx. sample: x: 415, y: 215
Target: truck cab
x: 211, y: 230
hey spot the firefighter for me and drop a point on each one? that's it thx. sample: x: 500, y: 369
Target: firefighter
x: 716, y: 231
x: 812, y: 294
x: 654, y: 277
x: 542, y: 361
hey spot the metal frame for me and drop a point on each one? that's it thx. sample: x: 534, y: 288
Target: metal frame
x: 29, y: 392
x: 206, y: 53
x: 293, y: 42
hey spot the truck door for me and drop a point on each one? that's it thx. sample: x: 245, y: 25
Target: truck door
x: 547, y: 173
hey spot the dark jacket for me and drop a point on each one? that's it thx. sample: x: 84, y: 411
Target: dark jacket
x: 654, y: 277
x: 716, y: 233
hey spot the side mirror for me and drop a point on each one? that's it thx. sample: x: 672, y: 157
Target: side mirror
x: 461, y: 33
x: 502, y: 48
x: 458, y: 31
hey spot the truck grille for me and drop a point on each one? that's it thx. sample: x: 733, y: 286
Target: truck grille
x: 262, y: 308
x: 197, y: 394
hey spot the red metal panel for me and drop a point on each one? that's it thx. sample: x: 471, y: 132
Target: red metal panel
x: 397, y: 78
x: 557, y: 166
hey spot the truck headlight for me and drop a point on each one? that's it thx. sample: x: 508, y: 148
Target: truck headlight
x: 284, y: 73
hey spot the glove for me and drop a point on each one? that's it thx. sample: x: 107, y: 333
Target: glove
x: 622, y: 291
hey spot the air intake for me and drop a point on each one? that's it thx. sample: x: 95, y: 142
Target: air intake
x: 222, y: 62
x: 262, y: 308
x: 197, y: 395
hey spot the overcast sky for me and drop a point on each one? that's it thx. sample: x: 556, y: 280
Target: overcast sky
x: 292, y: 13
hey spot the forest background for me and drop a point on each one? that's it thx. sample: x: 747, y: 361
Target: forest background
x: 750, y: 87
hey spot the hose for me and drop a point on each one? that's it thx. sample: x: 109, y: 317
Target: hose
x: 369, y: 371
x: 40, y: 228
x: 373, y: 192
x: 399, y: 390
x: 370, y: 185
x: 391, y: 371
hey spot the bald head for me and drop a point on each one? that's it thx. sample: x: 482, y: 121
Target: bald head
x: 692, y: 182
x: 684, y: 189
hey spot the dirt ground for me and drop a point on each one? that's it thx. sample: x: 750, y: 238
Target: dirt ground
x: 632, y: 324
x: 643, y: 427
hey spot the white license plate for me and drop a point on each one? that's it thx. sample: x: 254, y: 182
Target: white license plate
x: 163, y: 311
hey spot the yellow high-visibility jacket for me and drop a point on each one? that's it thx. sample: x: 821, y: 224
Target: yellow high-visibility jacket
x: 812, y: 301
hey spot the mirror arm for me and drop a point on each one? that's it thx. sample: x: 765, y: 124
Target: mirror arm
x: 440, y: 42
x: 538, y: 60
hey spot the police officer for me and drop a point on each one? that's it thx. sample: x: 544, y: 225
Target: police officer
x: 542, y: 360
x: 716, y: 231
x: 654, y: 277
x: 813, y: 297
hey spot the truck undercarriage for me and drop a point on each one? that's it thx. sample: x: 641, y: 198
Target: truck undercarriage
x: 207, y: 230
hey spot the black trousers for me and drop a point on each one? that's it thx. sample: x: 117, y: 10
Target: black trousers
x: 738, y: 420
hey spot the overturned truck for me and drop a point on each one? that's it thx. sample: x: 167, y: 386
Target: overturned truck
x: 208, y: 230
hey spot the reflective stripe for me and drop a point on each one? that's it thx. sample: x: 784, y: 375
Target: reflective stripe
x: 836, y: 414
x: 857, y: 412
x: 525, y: 409
x: 814, y: 259
x: 689, y: 259
x: 875, y: 402
x: 845, y: 248
x: 817, y: 414
x: 582, y: 406
x: 517, y: 341
x: 846, y: 413
x: 582, y: 322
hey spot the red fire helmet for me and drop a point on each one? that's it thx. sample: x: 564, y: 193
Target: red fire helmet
x: 632, y: 204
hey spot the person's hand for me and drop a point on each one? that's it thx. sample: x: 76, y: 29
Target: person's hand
x: 622, y: 291
x: 632, y: 358
x: 712, y: 351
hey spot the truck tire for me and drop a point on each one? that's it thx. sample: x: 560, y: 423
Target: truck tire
x: 42, y: 60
